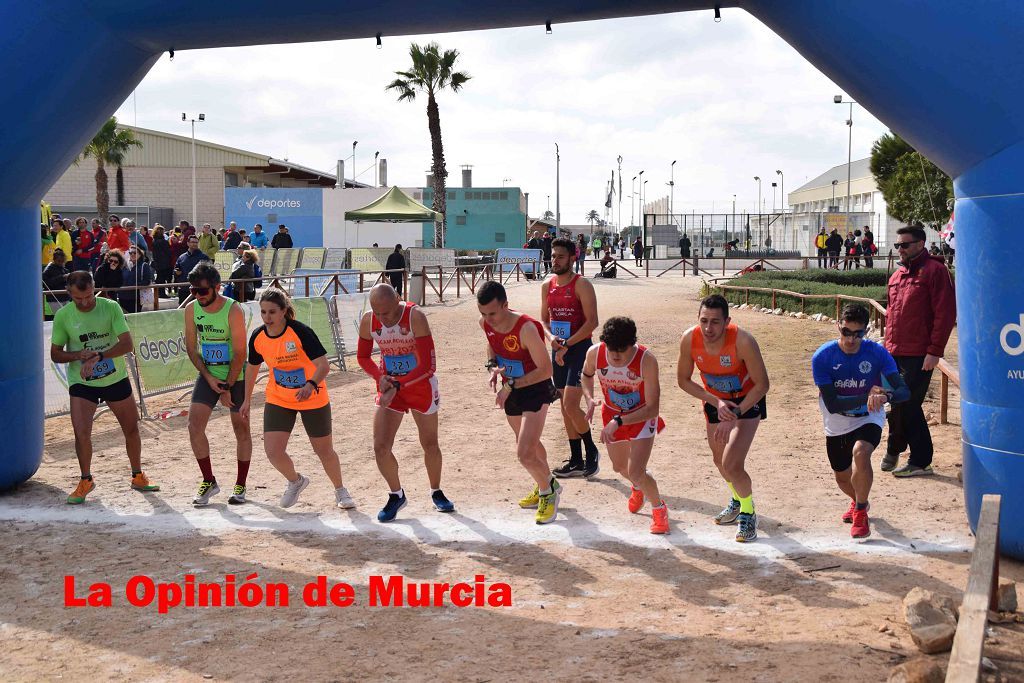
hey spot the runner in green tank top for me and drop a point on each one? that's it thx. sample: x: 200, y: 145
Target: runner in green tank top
x: 215, y: 337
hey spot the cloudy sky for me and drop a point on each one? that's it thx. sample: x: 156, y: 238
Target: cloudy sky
x: 728, y: 101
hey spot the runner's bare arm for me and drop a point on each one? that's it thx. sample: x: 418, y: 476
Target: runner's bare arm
x: 652, y: 392
x: 545, y: 314
x: 588, y: 299
x: 364, y: 352
x: 750, y: 353
x: 684, y: 372
x: 426, y: 357
x: 539, y: 354
x: 192, y: 343
x: 587, y: 378
x: 239, y: 343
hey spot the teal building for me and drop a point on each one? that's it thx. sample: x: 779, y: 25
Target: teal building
x: 480, y: 217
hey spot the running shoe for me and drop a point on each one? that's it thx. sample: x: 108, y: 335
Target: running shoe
x: 636, y: 500
x: 659, y: 519
x: 748, y: 527
x: 342, y: 499
x: 391, y: 508
x: 531, y: 500
x: 848, y: 515
x: 591, y: 467
x: 889, y: 462
x: 292, y: 491
x: 237, y: 495
x: 207, y: 490
x: 547, y: 506
x: 140, y: 482
x: 441, y: 501
x: 860, y: 528
x: 84, y: 488
x: 569, y: 470
x: 729, y: 513
x: 909, y: 470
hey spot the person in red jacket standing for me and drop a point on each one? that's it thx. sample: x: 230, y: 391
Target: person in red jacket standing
x: 921, y: 315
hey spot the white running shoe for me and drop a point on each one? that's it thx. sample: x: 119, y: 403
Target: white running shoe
x: 207, y: 490
x: 343, y: 499
x: 291, y: 493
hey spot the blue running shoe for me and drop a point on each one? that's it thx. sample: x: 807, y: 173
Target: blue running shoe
x: 391, y: 508
x: 441, y: 502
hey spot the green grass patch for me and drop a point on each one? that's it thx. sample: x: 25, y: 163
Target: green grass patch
x: 869, y: 284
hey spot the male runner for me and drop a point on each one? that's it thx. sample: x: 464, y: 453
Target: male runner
x: 631, y: 391
x: 405, y: 382
x: 215, y: 339
x: 568, y: 308
x: 735, y: 383
x: 518, y: 358
x: 849, y: 373
x: 93, y: 337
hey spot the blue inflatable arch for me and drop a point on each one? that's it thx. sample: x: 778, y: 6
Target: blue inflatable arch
x: 946, y: 75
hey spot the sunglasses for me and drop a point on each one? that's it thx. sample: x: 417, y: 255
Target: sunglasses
x: 199, y: 291
x: 859, y: 334
x: 904, y: 245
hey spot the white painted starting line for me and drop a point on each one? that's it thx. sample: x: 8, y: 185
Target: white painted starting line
x: 497, y: 526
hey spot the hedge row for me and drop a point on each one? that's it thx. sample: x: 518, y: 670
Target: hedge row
x: 802, y: 286
x: 865, y: 277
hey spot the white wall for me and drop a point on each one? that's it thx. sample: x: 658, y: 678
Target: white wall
x: 341, y: 233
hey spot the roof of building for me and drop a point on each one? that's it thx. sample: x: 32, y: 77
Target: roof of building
x: 861, y: 168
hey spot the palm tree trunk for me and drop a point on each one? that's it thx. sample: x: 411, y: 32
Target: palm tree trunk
x: 120, y: 185
x: 438, y: 169
x: 102, y: 194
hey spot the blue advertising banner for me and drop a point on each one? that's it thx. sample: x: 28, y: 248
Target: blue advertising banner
x: 526, y: 257
x: 301, y: 209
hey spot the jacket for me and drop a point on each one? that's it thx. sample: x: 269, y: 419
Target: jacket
x: 208, y: 244
x: 819, y: 241
x: 161, y: 254
x: 922, y: 308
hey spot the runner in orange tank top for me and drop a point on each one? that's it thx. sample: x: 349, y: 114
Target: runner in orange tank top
x: 405, y: 383
x: 631, y: 393
x: 733, y: 386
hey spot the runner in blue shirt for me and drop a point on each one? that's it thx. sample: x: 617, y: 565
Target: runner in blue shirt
x: 855, y: 377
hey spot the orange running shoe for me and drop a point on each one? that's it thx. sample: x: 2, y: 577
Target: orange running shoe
x: 861, y: 527
x: 140, y: 482
x: 659, y: 519
x: 636, y: 500
x: 84, y: 488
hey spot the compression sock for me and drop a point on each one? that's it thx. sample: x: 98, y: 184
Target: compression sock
x: 735, y: 496
x: 576, y: 451
x: 588, y: 442
x: 243, y: 472
x: 206, y: 468
x: 862, y: 506
x: 747, y: 504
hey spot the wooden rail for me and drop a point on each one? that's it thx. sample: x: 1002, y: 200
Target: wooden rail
x: 948, y: 372
x: 980, y: 597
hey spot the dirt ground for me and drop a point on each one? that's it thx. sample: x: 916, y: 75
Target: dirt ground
x: 595, y: 596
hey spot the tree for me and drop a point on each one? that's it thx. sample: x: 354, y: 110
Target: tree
x: 592, y: 218
x: 548, y: 215
x: 432, y: 71
x: 916, y: 190
x: 109, y: 146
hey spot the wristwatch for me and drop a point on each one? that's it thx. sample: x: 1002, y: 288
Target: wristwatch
x: 396, y: 384
x: 618, y: 419
x: 316, y: 387
x: 491, y: 364
x: 511, y: 383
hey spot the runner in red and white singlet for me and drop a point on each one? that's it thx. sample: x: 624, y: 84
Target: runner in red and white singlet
x: 405, y: 383
x: 519, y: 361
x: 631, y: 394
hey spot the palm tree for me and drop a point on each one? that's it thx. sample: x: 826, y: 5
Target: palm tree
x: 548, y: 215
x: 109, y: 146
x: 593, y: 217
x: 431, y: 72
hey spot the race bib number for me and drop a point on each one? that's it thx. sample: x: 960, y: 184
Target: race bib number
x: 102, y: 369
x: 561, y: 329
x: 727, y: 384
x: 216, y: 354
x: 400, y: 365
x: 624, y: 402
x: 290, y: 379
x: 511, y: 368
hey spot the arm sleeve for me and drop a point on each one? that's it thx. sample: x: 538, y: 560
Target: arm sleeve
x: 900, y: 390
x: 943, y: 310
x: 835, y: 403
x: 311, y: 345
x: 254, y: 356
x: 363, y: 355
x: 426, y: 363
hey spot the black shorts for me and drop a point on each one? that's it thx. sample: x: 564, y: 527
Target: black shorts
x: 568, y: 375
x: 840, y: 448
x: 118, y: 391
x: 317, y: 421
x: 758, y: 412
x: 530, y: 399
x: 204, y: 395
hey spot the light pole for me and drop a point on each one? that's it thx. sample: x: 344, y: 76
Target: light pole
x: 558, y: 171
x: 640, y: 199
x: 771, y: 218
x: 727, y: 235
x: 672, y: 190
x: 376, y: 180
x: 620, y: 192
x: 838, y: 99
x: 505, y: 180
x: 782, y: 189
x: 832, y: 206
x: 632, y: 203
x: 758, y: 179
x: 202, y: 117
x: 354, y: 143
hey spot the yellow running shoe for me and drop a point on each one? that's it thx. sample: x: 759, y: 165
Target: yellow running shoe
x: 531, y: 500
x: 547, y: 506
x: 140, y: 482
x: 84, y: 488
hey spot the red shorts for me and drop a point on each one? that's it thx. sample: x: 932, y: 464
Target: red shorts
x: 634, y: 432
x: 423, y: 397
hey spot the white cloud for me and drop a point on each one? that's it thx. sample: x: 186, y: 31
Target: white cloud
x: 729, y: 101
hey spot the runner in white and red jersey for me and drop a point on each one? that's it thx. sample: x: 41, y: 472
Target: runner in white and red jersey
x: 405, y: 383
x: 631, y: 394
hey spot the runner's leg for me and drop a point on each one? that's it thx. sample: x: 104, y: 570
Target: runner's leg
x: 639, y: 454
x: 529, y: 448
x: 198, y: 418
x: 385, y: 426
x: 276, y: 446
x: 323, y: 446
x: 243, y: 446
x: 863, y: 475
x: 82, y: 414
x: 427, y: 427
x: 127, y: 415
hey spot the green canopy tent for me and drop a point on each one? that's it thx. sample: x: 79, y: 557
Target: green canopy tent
x: 394, y: 206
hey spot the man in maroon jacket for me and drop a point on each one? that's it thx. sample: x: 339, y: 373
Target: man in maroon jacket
x: 920, y: 318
